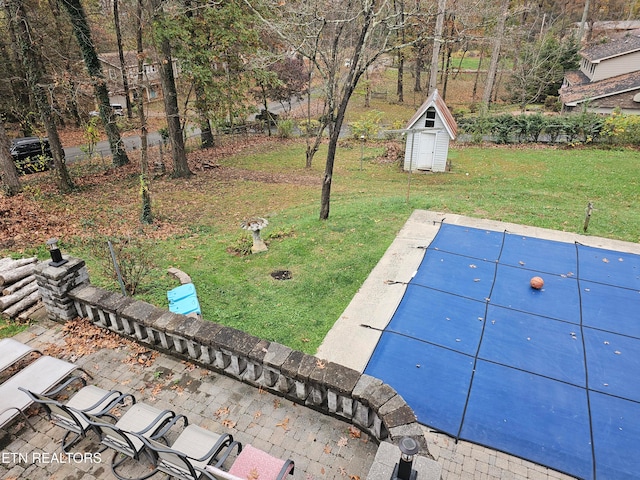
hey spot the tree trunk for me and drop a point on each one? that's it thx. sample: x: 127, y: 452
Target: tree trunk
x: 495, y: 54
x: 83, y: 37
x: 146, y: 215
x: 33, y: 68
x: 583, y: 22
x: 206, y: 133
x: 123, y: 66
x: 477, y: 77
x: 13, y: 288
x: 437, y: 41
x: 335, y: 125
x: 172, y: 112
x: 8, y: 173
x: 401, y: 34
x: 417, y: 86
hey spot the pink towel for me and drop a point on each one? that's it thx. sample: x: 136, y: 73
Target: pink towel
x: 254, y: 464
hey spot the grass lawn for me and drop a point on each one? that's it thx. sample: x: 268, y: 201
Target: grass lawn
x: 198, y: 222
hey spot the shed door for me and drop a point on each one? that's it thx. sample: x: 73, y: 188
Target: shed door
x: 426, y: 151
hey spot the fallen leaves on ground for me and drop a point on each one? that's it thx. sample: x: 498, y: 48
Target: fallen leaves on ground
x: 222, y: 411
x: 228, y: 423
x: 105, y: 201
x: 284, y: 424
x: 81, y: 337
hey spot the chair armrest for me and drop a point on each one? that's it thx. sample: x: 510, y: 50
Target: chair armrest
x: 175, y: 419
x: 287, y: 468
x: 116, y: 401
x: 104, y: 397
x: 227, y: 452
x: 161, y: 416
x: 225, y: 440
x: 64, y: 385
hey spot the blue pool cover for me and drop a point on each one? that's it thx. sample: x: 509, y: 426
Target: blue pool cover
x: 550, y: 375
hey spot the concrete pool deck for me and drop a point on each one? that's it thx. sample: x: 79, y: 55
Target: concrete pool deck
x: 355, y: 335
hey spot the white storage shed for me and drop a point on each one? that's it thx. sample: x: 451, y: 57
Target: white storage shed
x: 428, y: 135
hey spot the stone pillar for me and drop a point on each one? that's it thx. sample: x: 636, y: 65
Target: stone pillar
x: 55, y: 283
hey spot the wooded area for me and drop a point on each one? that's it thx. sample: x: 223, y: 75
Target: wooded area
x: 211, y: 63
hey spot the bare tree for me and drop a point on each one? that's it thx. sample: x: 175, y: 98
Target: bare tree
x: 82, y: 33
x: 32, y: 62
x: 8, y: 173
x: 172, y: 111
x: 146, y: 215
x: 123, y: 66
x: 495, y: 54
x: 437, y: 42
x: 342, y: 40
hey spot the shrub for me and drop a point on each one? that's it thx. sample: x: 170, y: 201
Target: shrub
x: 311, y: 127
x: 285, y: 128
x: 502, y: 126
x: 622, y: 129
x: 132, y: 256
x: 368, y: 125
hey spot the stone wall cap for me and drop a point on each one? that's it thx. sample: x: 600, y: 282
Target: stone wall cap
x: 378, y: 395
x: 189, y: 327
x: 413, y: 429
x: 400, y: 416
x: 142, y: 312
x: 392, y: 404
x: 319, y: 372
x: 235, y: 340
x: 364, y: 386
x: 88, y: 293
x: 259, y: 351
x: 206, y: 332
x: 114, y: 302
x: 276, y: 354
x: 340, y: 378
x: 166, y: 321
x: 308, y: 364
x: 290, y: 366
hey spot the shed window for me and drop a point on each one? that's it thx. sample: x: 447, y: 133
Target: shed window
x: 430, y: 121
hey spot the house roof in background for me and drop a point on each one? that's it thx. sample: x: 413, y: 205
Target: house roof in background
x: 603, y: 88
x: 626, y: 44
x: 436, y: 101
x: 112, y: 58
x: 576, y: 77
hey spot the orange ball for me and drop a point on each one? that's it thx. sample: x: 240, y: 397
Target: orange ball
x: 537, y: 283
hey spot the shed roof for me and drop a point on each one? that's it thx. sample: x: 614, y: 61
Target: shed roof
x: 442, y: 110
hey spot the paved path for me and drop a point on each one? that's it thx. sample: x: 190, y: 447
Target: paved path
x: 321, y: 446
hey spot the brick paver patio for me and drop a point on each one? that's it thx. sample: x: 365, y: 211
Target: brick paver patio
x: 321, y: 446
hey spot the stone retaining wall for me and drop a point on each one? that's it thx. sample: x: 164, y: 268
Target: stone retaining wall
x: 360, y: 399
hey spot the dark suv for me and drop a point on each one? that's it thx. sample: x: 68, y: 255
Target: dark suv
x: 31, y: 154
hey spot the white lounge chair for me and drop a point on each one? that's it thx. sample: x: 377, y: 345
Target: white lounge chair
x: 11, y: 351
x: 40, y: 376
x: 124, y: 437
x: 191, y: 452
x: 89, y: 400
